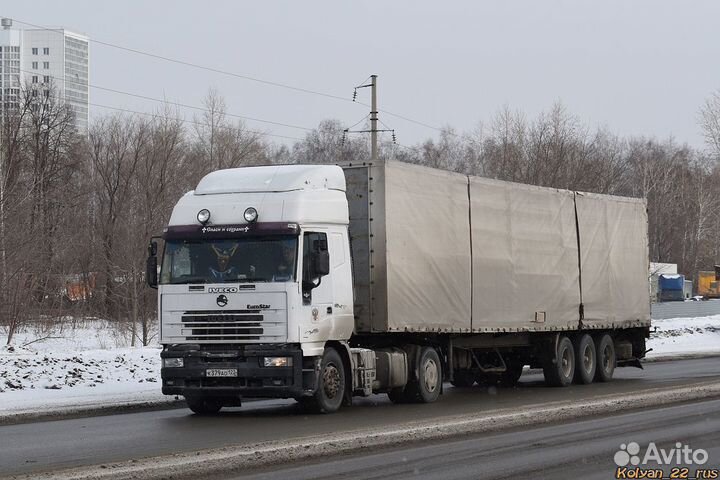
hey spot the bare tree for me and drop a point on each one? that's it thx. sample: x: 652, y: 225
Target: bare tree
x: 36, y: 166
x: 710, y: 123
x: 328, y: 144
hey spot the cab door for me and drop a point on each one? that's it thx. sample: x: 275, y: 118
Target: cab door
x: 317, y: 292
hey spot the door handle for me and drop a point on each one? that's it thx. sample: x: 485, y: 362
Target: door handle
x: 329, y: 310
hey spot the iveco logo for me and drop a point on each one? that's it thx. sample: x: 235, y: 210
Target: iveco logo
x: 222, y: 300
x: 222, y: 290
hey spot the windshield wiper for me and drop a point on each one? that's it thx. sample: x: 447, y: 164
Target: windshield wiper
x: 249, y: 280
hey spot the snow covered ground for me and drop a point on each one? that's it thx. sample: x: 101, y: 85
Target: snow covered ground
x: 685, y: 336
x: 91, y: 367
x: 87, y: 367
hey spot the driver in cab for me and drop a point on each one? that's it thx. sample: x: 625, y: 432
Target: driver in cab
x: 285, y: 265
x: 224, y: 271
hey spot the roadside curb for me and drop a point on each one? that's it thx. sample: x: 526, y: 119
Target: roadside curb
x: 82, y: 411
x: 680, y: 356
x: 237, y: 459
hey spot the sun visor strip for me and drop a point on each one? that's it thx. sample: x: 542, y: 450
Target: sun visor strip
x: 203, y: 232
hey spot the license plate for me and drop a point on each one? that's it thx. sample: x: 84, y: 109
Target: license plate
x: 221, y: 372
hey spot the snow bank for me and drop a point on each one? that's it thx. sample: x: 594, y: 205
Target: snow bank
x: 76, y: 367
x: 685, y: 336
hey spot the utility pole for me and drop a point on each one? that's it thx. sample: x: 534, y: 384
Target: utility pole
x: 373, y: 120
x: 374, y: 130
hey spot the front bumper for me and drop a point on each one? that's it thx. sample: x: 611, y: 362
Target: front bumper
x: 253, y: 379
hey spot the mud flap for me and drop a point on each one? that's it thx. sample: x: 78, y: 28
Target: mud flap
x: 633, y: 362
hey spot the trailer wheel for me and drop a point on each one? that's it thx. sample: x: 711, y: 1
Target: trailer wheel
x: 605, y: 354
x: 331, y: 386
x: 203, y: 405
x: 585, y: 360
x: 463, y: 379
x: 559, y: 369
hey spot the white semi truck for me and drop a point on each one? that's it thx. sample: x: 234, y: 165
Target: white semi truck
x: 321, y: 283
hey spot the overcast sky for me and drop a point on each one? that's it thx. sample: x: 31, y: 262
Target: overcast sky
x: 637, y: 67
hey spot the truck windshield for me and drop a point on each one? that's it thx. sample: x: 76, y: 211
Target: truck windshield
x: 256, y: 259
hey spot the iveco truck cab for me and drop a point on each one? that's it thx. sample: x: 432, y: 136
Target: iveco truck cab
x: 255, y: 289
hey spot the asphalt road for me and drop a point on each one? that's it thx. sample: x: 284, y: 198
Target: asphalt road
x: 581, y: 449
x: 87, y: 441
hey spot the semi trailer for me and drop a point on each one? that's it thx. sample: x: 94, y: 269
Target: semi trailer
x: 325, y: 282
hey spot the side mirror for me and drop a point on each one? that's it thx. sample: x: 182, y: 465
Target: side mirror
x: 717, y: 273
x: 151, y: 266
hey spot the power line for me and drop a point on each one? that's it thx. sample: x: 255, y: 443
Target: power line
x: 202, y: 67
x: 165, y: 101
x: 358, y: 122
x: 237, y: 75
x: 184, y: 120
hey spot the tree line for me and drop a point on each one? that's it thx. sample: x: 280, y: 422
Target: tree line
x: 77, y: 209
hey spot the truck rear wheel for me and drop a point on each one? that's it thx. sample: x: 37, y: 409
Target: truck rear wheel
x: 331, y: 385
x: 559, y: 369
x: 585, y: 359
x: 426, y: 388
x: 605, y: 354
x: 203, y: 405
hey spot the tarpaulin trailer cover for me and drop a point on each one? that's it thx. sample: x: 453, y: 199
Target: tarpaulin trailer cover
x: 438, y: 251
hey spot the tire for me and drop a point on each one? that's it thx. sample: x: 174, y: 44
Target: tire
x: 585, y: 360
x: 559, y: 369
x: 330, y: 392
x: 426, y: 388
x: 203, y: 405
x: 463, y: 379
x: 605, y: 355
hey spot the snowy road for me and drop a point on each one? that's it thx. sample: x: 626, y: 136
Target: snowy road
x: 75, y: 442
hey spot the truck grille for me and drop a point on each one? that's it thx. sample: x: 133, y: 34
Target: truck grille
x: 226, y: 325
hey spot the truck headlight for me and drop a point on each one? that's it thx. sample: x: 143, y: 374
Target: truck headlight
x: 277, y: 361
x: 250, y: 214
x: 173, y: 362
x: 203, y: 216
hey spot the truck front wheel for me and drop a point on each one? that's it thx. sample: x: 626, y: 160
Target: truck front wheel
x: 559, y: 369
x: 331, y: 385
